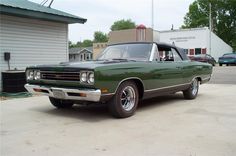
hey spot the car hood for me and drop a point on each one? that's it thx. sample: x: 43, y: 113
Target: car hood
x: 86, y: 65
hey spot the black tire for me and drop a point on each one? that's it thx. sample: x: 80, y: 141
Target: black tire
x: 227, y: 64
x: 192, y: 91
x: 220, y: 64
x: 124, y: 108
x: 58, y: 103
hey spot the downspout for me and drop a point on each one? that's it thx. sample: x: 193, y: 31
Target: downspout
x: 67, y: 42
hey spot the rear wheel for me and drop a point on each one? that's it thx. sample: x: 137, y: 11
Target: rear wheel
x: 192, y: 91
x: 60, y: 103
x: 220, y: 64
x: 125, y: 101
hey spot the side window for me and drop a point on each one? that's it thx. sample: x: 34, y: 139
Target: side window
x: 165, y: 54
x: 168, y: 54
x: 176, y: 55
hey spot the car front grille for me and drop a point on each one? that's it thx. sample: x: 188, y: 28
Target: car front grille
x: 64, y: 76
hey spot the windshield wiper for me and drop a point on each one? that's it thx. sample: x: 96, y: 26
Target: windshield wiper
x: 102, y: 60
x: 120, y: 59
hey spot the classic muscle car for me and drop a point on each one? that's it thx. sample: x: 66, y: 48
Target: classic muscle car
x: 123, y: 75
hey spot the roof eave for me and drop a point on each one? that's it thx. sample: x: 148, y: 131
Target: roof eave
x: 39, y: 15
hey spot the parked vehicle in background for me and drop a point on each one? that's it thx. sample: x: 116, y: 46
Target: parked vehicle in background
x: 204, y: 58
x: 227, y: 59
x: 123, y: 75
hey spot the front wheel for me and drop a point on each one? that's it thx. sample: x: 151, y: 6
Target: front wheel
x: 125, y: 101
x: 192, y: 91
x: 60, y: 103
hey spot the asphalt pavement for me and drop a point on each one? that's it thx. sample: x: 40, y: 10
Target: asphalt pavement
x: 223, y: 75
x: 165, y: 126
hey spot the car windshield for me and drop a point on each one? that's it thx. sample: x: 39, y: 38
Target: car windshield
x: 135, y: 52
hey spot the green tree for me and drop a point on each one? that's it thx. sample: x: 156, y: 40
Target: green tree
x: 100, y: 37
x: 71, y: 45
x: 123, y: 24
x: 223, y: 18
x: 87, y: 43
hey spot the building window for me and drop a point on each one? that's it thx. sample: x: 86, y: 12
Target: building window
x: 186, y: 51
x: 198, y: 51
x: 88, y: 57
x: 191, y: 51
x: 203, y: 50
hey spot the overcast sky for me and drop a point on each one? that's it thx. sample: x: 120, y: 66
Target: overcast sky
x: 102, y: 13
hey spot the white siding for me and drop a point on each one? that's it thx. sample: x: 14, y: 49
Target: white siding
x: 196, y: 38
x: 156, y: 36
x: 219, y: 47
x: 188, y: 39
x: 32, y: 42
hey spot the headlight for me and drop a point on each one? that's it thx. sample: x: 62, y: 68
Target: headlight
x: 87, y: 77
x: 36, y: 74
x: 30, y: 74
x: 91, y: 77
x: 83, y: 77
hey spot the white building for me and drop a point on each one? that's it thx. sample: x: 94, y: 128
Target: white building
x: 33, y: 34
x: 196, y: 41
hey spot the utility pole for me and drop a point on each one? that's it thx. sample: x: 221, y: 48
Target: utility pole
x: 152, y: 15
x: 210, y: 28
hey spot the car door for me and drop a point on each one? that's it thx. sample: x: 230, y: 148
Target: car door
x: 167, y: 69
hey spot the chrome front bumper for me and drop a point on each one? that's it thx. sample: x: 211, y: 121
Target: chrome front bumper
x: 66, y: 93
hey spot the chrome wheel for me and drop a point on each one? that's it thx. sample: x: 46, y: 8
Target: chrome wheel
x: 124, y: 103
x: 192, y: 91
x: 194, y: 87
x: 128, y: 98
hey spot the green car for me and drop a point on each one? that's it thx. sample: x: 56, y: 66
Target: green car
x: 123, y: 75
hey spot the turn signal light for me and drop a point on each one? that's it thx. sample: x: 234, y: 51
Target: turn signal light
x: 37, y: 90
x: 104, y: 90
x: 83, y: 95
